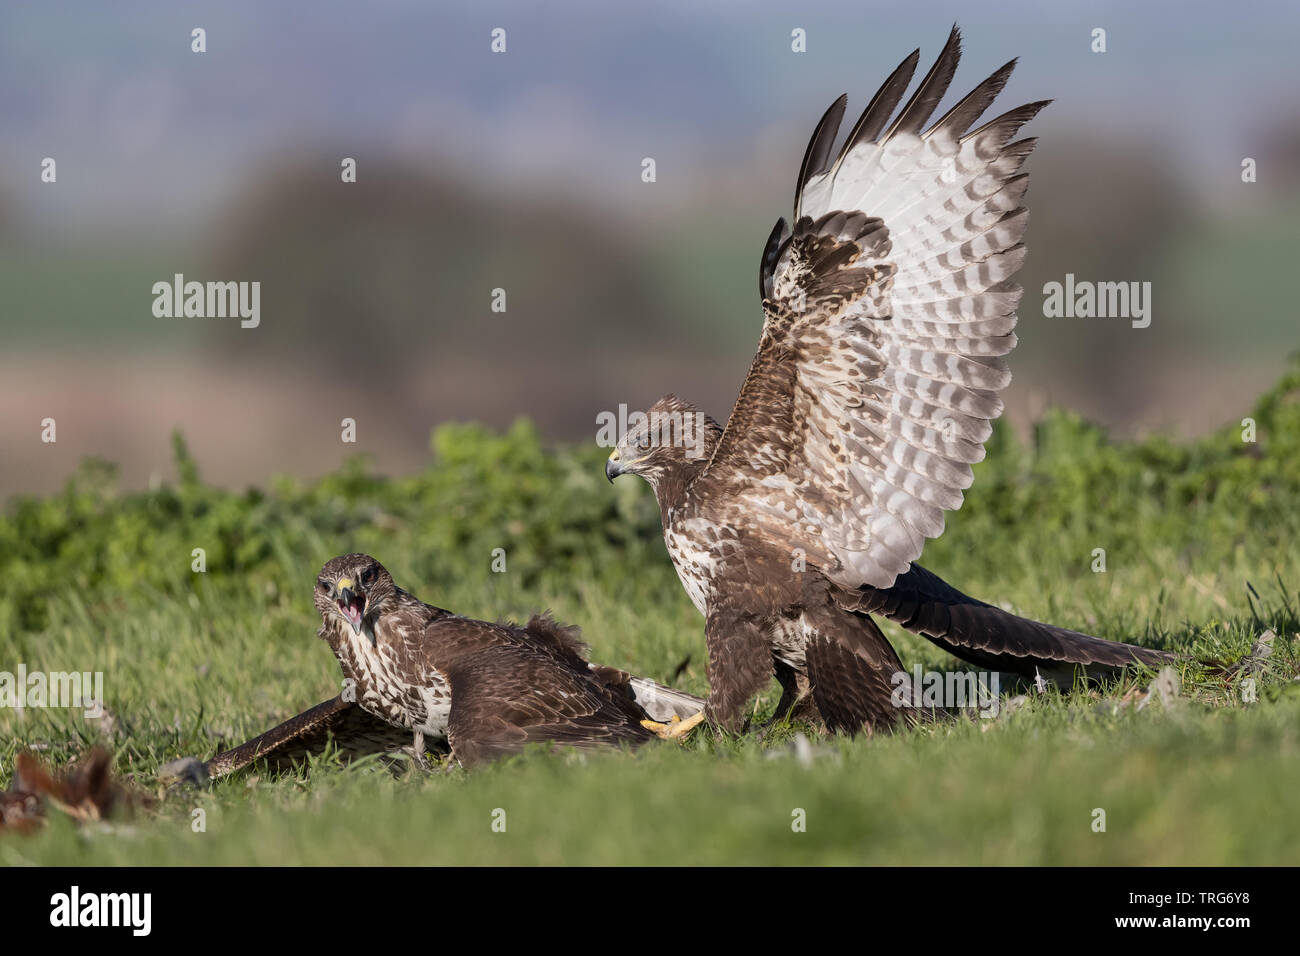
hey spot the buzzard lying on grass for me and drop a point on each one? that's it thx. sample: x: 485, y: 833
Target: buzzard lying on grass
x: 421, y: 676
x: 888, y: 308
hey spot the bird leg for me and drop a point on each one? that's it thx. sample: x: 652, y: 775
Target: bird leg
x: 417, y: 751
x: 675, y: 729
x: 795, y: 691
x: 740, y: 663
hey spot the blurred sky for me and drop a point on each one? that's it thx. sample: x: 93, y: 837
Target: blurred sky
x: 159, y: 133
x: 522, y: 170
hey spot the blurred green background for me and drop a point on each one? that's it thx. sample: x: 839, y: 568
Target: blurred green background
x: 522, y: 171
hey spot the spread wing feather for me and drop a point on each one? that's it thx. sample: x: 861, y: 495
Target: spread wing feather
x: 990, y: 637
x: 353, y: 731
x: 889, y: 309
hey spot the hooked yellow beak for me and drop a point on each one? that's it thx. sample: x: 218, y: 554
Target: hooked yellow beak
x: 351, y: 603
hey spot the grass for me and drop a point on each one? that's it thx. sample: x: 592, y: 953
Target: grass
x: 93, y: 579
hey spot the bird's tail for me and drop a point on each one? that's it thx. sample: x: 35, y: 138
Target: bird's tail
x: 992, y: 638
x: 663, y: 703
x: 660, y: 702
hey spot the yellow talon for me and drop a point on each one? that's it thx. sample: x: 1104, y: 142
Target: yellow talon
x: 675, y: 729
x: 658, y: 728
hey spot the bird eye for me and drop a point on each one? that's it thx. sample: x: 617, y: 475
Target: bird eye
x: 367, y: 575
x: 323, y: 584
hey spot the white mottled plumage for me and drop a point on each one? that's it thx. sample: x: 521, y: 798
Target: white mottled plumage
x: 889, y: 308
x: 790, y: 641
x: 383, y: 681
x: 695, y: 564
x: 892, y: 298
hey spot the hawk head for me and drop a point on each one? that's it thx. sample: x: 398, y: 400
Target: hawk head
x: 665, y: 441
x: 353, y: 589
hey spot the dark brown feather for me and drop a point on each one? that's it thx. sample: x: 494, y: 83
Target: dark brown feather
x: 816, y: 158
x: 881, y: 106
x: 851, y: 671
x: 506, y: 697
x: 927, y: 96
x: 989, y: 637
x: 354, y: 732
x: 972, y: 106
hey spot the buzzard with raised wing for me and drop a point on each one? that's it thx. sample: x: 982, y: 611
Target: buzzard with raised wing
x: 421, y: 676
x: 888, y: 309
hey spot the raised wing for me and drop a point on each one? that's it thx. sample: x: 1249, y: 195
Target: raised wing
x: 888, y: 310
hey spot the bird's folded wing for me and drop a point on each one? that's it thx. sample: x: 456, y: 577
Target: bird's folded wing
x: 853, y: 672
x: 888, y: 310
x: 508, y: 696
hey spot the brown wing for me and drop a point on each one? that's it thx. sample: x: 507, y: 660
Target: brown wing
x: 507, y: 696
x: 355, y: 733
x: 442, y: 642
x: 990, y: 637
x: 888, y: 309
x: 853, y: 675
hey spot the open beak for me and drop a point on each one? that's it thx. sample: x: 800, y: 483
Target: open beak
x: 612, y: 468
x: 352, y: 605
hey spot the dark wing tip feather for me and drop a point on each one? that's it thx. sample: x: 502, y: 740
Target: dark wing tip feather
x: 771, y: 252
x: 1021, y: 147
x: 932, y: 88
x: 972, y: 106
x: 1009, y: 123
x: 882, y: 105
x: 816, y: 159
